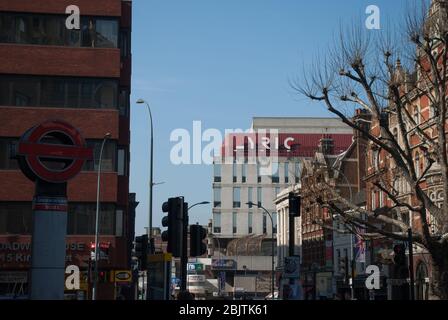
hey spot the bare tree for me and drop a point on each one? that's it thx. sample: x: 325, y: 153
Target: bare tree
x: 391, y: 81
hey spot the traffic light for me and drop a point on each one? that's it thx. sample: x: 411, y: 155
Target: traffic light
x: 197, y: 236
x: 294, y: 204
x: 174, y: 221
x: 401, y: 269
x: 141, y: 251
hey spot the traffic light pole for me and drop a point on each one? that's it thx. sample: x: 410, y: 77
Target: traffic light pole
x: 184, y: 256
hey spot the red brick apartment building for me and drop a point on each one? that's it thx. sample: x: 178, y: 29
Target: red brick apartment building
x: 82, y: 77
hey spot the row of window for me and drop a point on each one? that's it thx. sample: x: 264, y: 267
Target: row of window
x: 16, y: 218
x: 217, y: 202
x: 114, y: 158
x: 63, y: 92
x: 217, y: 223
x: 51, y: 30
x: 274, y: 172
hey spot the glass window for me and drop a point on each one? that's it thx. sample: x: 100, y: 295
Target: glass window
x: 286, y: 172
x: 6, y: 161
x: 106, y: 33
x: 234, y: 168
x: 108, y: 157
x: 234, y: 222
x: 217, y: 197
x: 121, y: 162
x: 119, y: 223
x: 259, y: 196
x: 236, y: 197
x: 276, y: 192
x: 297, y: 171
x: 46, y: 29
x: 265, y: 226
x: 58, y: 92
x: 274, y: 220
x: 250, y: 222
x: 216, y: 222
x: 15, y: 218
x: 217, y: 172
x: 124, y: 103
x: 250, y: 191
x: 275, y: 178
x: 258, y: 173
x: 244, y: 172
x: 81, y: 219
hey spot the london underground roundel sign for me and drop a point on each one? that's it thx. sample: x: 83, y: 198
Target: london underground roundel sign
x: 53, y: 151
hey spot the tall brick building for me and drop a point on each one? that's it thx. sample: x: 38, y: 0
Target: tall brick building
x: 82, y: 77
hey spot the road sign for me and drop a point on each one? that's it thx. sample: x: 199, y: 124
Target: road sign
x: 122, y: 276
x: 53, y: 151
x: 195, y: 267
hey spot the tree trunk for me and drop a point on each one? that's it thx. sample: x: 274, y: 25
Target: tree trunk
x: 439, y: 278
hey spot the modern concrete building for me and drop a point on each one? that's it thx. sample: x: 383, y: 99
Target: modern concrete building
x: 239, y: 179
x: 82, y: 77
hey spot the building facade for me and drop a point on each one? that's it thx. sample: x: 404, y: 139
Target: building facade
x: 83, y: 77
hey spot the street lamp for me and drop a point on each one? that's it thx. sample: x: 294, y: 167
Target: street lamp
x: 97, y: 218
x: 251, y: 204
x: 199, y: 204
x: 151, y: 170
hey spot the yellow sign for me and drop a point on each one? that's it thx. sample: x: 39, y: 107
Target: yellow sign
x: 161, y: 257
x: 122, y: 276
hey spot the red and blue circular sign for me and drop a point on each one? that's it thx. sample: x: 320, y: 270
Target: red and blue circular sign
x: 53, y: 151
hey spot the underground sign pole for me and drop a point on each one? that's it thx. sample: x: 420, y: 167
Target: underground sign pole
x: 50, y: 154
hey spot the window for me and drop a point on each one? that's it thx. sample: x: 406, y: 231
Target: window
x: 106, y: 33
x: 125, y: 46
x: 297, y: 171
x: 258, y: 173
x: 250, y: 222
x: 6, y: 161
x: 15, y: 218
x: 417, y: 165
x: 276, y: 192
x: 286, y: 172
x: 236, y: 197
x: 416, y: 115
x: 381, y: 199
x: 217, y: 197
x: 274, y: 220
x: 50, y: 30
x: 265, y: 226
x: 275, y: 178
x: 217, y: 172
x: 250, y: 191
x: 216, y: 222
x: 108, y: 157
x: 58, y: 92
x: 234, y: 222
x: 373, y: 197
x: 234, y: 171
x: 81, y: 219
x: 119, y: 223
x: 338, y: 260
x: 259, y: 196
x: 124, y: 102
x: 244, y: 172
x: 122, y: 165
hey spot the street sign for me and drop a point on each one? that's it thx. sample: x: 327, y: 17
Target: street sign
x: 122, y: 276
x: 195, y: 267
x: 53, y: 151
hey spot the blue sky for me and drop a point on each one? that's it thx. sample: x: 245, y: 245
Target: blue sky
x: 221, y: 62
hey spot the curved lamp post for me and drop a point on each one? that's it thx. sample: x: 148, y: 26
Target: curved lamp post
x: 251, y: 204
x: 97, y: 218
x: 151, y: 170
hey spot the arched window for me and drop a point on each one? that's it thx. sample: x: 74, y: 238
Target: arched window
x: 417, y: 164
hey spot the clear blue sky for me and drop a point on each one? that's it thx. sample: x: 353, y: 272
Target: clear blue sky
x: 221, y: 62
